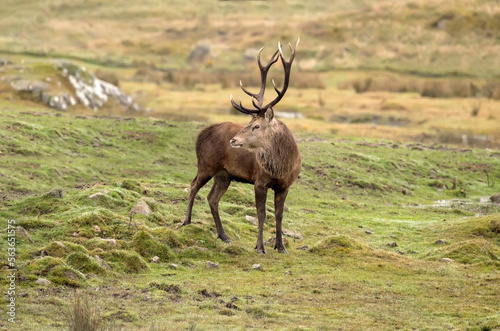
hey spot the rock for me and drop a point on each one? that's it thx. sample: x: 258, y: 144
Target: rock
x: 292, y: 234
x: 148, y: 200
x: 393, y: 244
x: 440, y: 242
x: 96, y: 142
x: 155, y: 259
x: 303, y: 248
x: 495, y: 198
x: 257, y: 267
x: 75, y: 234
x: 141, y: 208
x: 55, y: 193
x: 42, y: 281
x: 272, y: 241
x: 4, y: 62
x: 445, y: 259
x: 102, y: 262
x: 111, y: 241
x: 173, y: 266
x: 288, y: 272
x: 368, y: 232
x: 23, y: 233
x: 187, y: 190
x: 97, y: 228
x: 212, y: 265
x: 252, y: 220
x: 95, y: 195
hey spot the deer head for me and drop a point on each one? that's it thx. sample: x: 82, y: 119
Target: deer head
x: 256, y: 133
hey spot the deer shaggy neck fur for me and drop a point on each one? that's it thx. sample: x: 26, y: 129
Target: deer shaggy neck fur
x: 278, y: 154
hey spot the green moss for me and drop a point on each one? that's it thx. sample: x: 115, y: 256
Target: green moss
x: 234, y: 249
x: 57, y: 271
x: 63, y: 248
x: 168, y: 237
x: 40, y: 206
x: 84, y: 263
x: 199, y: 235
x: 148, y: 246
x: 468, y: 252
x: 126, y: 261
x: 334, y: 244
x: 132, y: 185
x: 100, y: 217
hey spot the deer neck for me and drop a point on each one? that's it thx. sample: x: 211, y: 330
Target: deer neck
x: 278, y: 156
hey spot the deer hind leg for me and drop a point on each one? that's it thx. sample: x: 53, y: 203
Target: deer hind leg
x: 221, y: 182
x: 198, y: 182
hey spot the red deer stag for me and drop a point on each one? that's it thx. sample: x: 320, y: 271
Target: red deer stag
x: 263, y: 153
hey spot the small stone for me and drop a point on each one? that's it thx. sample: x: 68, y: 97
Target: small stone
x: 303, y: 248
x: 55, y: 193
x: 252, y: 220
x: 440, y: 242
x: 155, y: 259
x: 495, y: 198
x: 95, y: 195
x: 256, y: 267
x: 393, y: 244
x: 368, y: 232
x: 102, y: 262
x: 292, y: 234
x: 42, y: 281
x: 111, y: 241
x: 288, y: 272
x: 97, y: 228
x: 212, y: 265
x: 173, y: 266
x: 24, y: 233
x: 272, y: 241
x: 141, y: 208
x: 187, y: 190
x: 445, y: 259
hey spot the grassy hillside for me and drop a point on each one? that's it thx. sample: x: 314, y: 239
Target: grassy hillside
x: 381, y: 234
x: 421, y: 36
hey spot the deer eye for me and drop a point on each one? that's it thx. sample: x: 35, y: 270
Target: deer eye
x: 256, y: 127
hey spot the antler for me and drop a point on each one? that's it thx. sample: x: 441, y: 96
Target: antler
x: 258, y: 98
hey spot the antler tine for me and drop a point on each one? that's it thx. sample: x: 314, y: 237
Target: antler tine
x: 257, y: 98
x: 287, y: 65
x: 241, y: 108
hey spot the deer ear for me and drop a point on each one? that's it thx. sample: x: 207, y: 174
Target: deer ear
x: 269, y: 115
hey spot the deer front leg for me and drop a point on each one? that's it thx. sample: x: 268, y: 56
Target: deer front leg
x: 279, y: 204
x: 260, y: 201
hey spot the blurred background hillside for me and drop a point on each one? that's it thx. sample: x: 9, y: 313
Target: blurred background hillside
x: 411, y: 70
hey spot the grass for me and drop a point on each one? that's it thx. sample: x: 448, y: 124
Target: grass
x: 366, y: 209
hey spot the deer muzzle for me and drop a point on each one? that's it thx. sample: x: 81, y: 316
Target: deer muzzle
x: 234, y: 143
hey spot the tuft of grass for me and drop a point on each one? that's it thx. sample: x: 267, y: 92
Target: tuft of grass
x: 84, y: 263
x: 81, y: 316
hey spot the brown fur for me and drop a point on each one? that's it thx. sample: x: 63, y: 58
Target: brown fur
x: 274, y: 164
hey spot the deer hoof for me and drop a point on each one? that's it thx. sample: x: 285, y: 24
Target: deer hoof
x: 260, y: 250
x: 225, y: 239
x: 281, y: 250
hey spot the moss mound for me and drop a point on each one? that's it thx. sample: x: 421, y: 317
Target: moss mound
x: 168, y: 237
x: 148, y: 246
x: 126, y: 261
x: 63, y: 248
x: 468, y: 252
x: 198, y: 235
x: 335, y: 244
x: 84, y: 263
x: 57, y: 271
x: 99, y: 217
